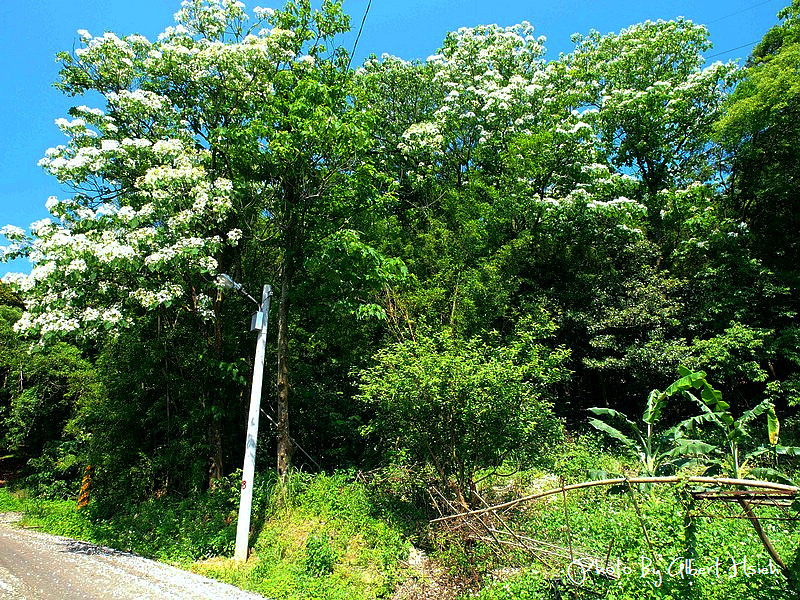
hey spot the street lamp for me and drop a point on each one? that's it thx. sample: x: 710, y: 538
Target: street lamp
x: 259, y: 322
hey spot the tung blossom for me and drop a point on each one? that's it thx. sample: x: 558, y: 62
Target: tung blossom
x: 12, y: 232
x: 152, y: 298
x: 234, y: 235
x: 172, y: 220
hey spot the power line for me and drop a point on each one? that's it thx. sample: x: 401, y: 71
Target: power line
x: 360, y: 29
x: 299, y: 447
x: 732, y: 49
x: 738, y: 12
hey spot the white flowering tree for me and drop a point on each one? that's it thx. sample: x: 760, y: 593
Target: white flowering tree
x: 486, y: 140
x: 227, y: 144
x: 488, y: 105
x: 532, y: 178
x: 396, y: 94
x: 655, y: 101
x: 490, y: 82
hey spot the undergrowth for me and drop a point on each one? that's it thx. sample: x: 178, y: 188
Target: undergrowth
x: 316, y: 537
x: 321, y: 539
x: 342, y: 536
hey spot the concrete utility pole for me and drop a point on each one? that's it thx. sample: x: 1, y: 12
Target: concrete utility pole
x: 259, y: 323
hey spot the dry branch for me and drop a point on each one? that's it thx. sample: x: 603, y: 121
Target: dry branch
x: 778, y: 487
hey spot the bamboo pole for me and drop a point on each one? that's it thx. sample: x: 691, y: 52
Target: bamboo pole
x: 762, y: 535
x: 671, y: 479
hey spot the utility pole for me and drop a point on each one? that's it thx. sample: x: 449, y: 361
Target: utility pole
x: 259, y: 323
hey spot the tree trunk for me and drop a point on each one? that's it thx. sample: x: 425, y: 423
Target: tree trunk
x: 285, y: 447
x: 289, y: 267
x: 215, y: 467
x: 215, y: 453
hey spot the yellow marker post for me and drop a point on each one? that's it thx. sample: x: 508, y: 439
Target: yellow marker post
x: 83, y: 497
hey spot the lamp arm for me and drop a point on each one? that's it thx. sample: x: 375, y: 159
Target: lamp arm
x: 242, y: 291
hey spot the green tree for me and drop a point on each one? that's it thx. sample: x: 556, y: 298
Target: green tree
x: 760, y: 132
x: 460, y: 405
x: 42, y: 389
x: 226, y: 145
x: 655, y: 103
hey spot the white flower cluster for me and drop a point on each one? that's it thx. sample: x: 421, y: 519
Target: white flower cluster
x: 234, y: 235
x: 209, y: 17
x: 111, y: 249
x: 183, y: 173
x: 12, y: 232
x: 188, y: 249
x: 108, y: 39
x: 126, y: 100
x: 77, y: 265
x: 205, y: 307
x: 151, y: 298
x: 89, y: 259
x: 494, y: 84
x: 47, y: 323
x: 18, y: 281
x: 41, y: 227
x: 263, y: 13
x: 422, y: 135
x: 168, y: 148
x: 75, y: 128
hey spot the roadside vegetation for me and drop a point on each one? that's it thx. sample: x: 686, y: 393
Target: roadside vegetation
x: 357, y: 535
x: 495, y: 276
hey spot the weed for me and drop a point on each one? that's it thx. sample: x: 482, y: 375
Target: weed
x: 320, y: 556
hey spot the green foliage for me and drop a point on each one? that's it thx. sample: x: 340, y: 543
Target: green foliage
x: 51, y: 382
x: 322, y: 541
x: 43, y: 391
x: 461, y: 405
x: 10, y: 502
x: 610, y: 527
x: 175, y: 530
x: 56, y: 473
x: 729, y: 457
x: 469, y: 252
x: 150, y: 434
x: 737, y: 354
x: 390, y: 203
x: 334, y: 512
x: 527, y: 585
x: 58, y: 517
x: 581, y: 457
x: 167, y: 529
x: 320, y: 557
x: 760, y: 132
x: 658, y: 452
x: 656, y: 105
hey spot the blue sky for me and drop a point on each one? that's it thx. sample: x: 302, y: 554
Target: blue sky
x: 36, y: 30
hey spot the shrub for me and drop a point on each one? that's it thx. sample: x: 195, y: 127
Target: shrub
x: 460, y: 405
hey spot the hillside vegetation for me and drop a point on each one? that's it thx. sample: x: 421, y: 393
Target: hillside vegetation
x: 493, y: 275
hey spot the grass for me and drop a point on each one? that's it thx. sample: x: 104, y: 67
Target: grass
x: 324, y: 541
x: 327, y: 537
x: 319, y: 537
x: 611, y: 524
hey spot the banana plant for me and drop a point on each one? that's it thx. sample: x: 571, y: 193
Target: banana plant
x: 728, y: 457
x: 658, y: 452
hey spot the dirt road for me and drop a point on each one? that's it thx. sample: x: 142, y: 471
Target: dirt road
x: 36, y: 566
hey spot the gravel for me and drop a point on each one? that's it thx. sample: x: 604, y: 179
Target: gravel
x: 37, y: 566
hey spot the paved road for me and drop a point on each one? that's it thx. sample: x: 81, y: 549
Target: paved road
x: 36, y: 566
